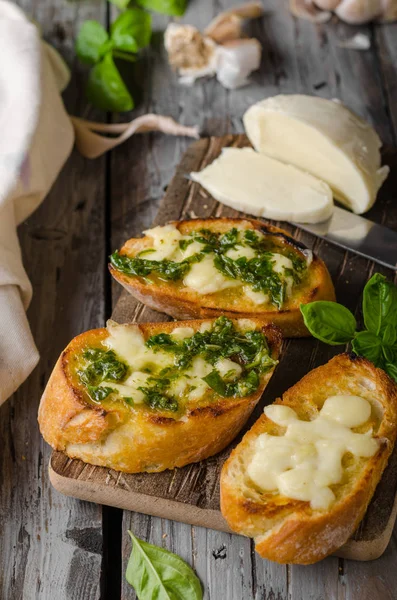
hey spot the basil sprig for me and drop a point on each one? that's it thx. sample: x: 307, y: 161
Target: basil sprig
x: 157, y: 573
x: 334, y: 324
x: 129, y: 33
x: 175, y: 8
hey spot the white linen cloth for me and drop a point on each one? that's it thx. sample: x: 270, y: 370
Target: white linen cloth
x: 36, y: 137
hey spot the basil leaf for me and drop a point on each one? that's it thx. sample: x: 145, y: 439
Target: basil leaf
x: 132, y: 30
x: 388, y: 353
x: 157, y: 573
x: 329, y: 322
x: 92, y: 42
x: 215, y: 381
x: 157, y: 400
x: 391, y: 370
x: 368, y: 344
x: 121, y: 4
x: 389, y: 335
x: 166, y: 7
x: 106, y: 89
x: 99, y: 393
x: 379, y: 304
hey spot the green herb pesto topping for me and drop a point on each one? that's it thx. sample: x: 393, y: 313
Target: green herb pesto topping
x: 105, y: 376
x: 263, y: 268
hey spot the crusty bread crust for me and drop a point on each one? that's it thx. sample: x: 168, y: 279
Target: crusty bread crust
x: 139, y: 440
x: 289, y: 531
x: 183, y: 303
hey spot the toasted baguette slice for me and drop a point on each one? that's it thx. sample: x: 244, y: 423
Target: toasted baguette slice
x: 181, y: 302
x: 130, y: 437
x: 288, y: 530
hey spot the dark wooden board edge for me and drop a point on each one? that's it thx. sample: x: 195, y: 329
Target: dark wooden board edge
x: 127, y: 309
x: 100, y: 493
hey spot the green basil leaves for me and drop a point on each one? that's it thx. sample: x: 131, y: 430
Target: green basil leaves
x: 334, y: 324
x: 132, y: 30
x: 157, y: 573
x: 175, y: 8
x: 129, y: 33
x: 106, y: 88
x: 329, y: 322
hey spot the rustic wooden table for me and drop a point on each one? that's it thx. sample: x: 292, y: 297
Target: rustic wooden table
x: 58, y: 548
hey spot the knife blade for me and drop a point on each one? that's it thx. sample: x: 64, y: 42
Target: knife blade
x: 360, y: 235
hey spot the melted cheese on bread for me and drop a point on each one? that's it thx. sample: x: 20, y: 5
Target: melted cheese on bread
x: 306, y: 461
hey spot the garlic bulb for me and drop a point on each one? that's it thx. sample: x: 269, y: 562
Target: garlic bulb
x: 355, y: 12
x: 220, y: 50
x: 193, y: 54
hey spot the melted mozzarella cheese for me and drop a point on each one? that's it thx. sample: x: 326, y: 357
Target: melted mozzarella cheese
x: 204, y: 278
x: 225, y: 366
x: 240, y: 251
x: 181, y: 333
x: 304, y: 462
x: 128, y: 343
x: 165, y: 241
x: 129, y: 389
x: 199, y: 369
x: 256, y: 297
x: 246, y: 325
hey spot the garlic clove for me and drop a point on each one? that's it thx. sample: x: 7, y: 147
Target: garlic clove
x: 327, y: 4
x: 389, y: 11
x: 357, y: 12
x: 227, y: 25
x: 236, y: 61
x: 305, y: 9
x: 226, y: 29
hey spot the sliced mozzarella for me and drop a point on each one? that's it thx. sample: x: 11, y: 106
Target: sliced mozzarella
x: 324, y: 138
x: 262, y: 186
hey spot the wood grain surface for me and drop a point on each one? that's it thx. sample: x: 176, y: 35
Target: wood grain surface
x: 191, y: 494
x: 53, y: 547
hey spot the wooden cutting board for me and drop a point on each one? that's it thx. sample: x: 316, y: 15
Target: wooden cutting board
x: 191, y: 494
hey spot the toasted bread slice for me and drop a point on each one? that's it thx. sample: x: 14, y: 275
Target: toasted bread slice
x: 288, y: 530
x: 236, y: 299
x: 133, y: 431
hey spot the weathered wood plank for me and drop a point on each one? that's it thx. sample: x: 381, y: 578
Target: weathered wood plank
x: 50, y: 545
x: 297, y: 57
